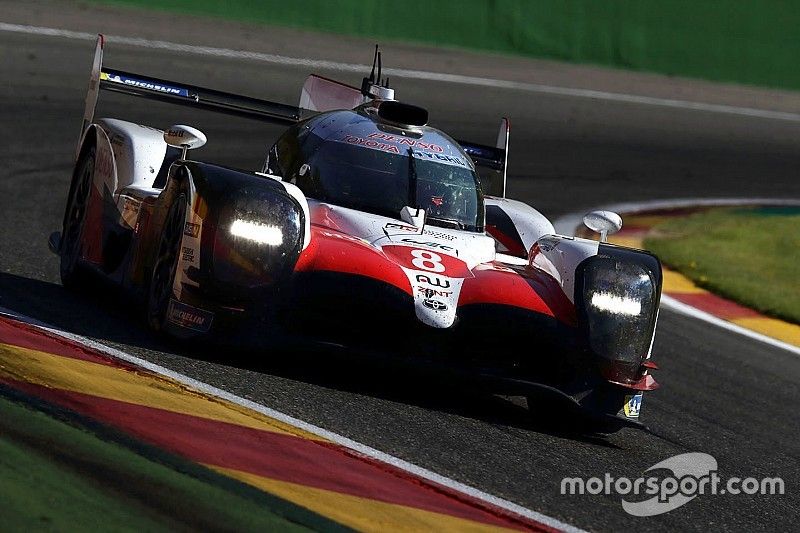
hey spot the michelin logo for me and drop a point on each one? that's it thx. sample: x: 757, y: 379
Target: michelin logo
x: 633, y: 404
x: 144, y: 84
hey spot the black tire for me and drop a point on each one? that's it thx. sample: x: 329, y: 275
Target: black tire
x: 73, y: 276
x: 166, y: 264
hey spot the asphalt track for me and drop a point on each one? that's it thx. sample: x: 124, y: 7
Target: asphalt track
x: 722, y: 394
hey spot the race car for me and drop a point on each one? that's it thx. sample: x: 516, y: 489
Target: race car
x: 365, y: 228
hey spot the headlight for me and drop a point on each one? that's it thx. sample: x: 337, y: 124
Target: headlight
x: 610, y: 303
x: 259, y: 234
x: 617, y: 300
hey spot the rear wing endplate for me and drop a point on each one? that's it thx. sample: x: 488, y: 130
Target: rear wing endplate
x: 179, y: 93
x: 491, y: 162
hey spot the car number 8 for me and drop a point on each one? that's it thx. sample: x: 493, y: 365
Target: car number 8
x: 425, y: 260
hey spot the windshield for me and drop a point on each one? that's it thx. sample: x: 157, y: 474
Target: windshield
x: 383, y: 182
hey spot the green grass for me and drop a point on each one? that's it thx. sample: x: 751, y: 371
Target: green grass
x: 744, y: 41
x: 55, y: 476
x: 751, y: 256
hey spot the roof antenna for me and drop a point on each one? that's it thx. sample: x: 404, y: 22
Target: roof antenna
x: 371, y: 86
x: 367, y: 82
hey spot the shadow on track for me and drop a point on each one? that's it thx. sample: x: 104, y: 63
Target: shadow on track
x: 108, y: 315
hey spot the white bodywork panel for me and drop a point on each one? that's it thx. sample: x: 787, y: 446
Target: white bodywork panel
x: 530, y: 223
x: 559, y: 256
x: 138, y: 150
x: 298, y: 195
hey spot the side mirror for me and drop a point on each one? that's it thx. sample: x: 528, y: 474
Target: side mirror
x: 603, y: 222
x: 414, y: 216
x: 184, y: 137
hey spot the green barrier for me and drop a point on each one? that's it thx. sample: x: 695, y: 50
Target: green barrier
x: 746, y: 41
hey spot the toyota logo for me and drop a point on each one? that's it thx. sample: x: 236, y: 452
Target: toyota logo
x: 436, y: 305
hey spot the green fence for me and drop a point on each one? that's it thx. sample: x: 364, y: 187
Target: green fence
x: 746, y: 41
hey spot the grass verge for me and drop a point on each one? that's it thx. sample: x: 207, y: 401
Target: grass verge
x: 56, y: 476
x: 751, y: 256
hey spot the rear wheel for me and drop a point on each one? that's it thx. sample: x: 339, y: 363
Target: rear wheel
x: 166, y: 264
x: 72, y: 275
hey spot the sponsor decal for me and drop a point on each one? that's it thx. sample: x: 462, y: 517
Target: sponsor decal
x: 431, y: 244
x: 189, y: 317
x: 439, y: 235
x: 187, y: 254
x: 142, y: 84
x: 428, y: 292
x: 377, y: 141
x: 405, y: 141
x: 369, y: 143
x: 633, y: 404
x: 442, y: 158
x: 130, y: 211
x: 435, y: 305
x: 401, y: 227
x: 191, y: 229
x: 434, y: 281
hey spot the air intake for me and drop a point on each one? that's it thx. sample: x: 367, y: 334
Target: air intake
x: 400, y: 113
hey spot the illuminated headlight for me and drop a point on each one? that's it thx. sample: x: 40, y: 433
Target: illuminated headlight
x: 259, y: 235
x: 610, y: 303
x: 617, y: 299
x: 257, y: 232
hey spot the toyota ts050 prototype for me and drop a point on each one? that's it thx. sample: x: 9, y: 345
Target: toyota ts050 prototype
x: 366, y: 228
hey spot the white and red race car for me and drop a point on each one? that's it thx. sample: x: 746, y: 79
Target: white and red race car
x: 366, y: 228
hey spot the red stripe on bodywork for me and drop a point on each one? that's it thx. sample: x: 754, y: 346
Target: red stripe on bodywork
x: 30, y: 337
x: 334, y: 251
x: 513, y: 245
x: 274, y: 455
x: 529, y: 289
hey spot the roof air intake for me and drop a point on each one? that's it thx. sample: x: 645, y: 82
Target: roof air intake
x: 400, y: 113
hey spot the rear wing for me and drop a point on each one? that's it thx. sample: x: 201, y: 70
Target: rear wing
x: 491, y: 162
x: 318, y: 94
x: 179, y: 93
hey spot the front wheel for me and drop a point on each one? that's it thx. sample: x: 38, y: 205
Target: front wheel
x: 166, y: 264
x: 72, y: 276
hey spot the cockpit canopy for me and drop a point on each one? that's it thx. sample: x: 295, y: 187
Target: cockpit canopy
x: 347, y: 158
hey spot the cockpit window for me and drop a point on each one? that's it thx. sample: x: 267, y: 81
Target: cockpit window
x: 383, y: 182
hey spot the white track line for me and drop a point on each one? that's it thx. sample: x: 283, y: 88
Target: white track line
x: 410, y: 73
x: 568, y: 225
x: 676, y: 305
x: 305, y: 426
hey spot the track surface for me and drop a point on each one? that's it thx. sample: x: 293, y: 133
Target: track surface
x: 722, y: 394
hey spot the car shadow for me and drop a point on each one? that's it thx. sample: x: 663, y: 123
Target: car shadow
x: 107, y: 315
